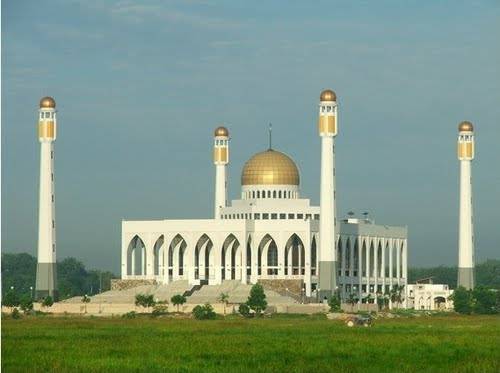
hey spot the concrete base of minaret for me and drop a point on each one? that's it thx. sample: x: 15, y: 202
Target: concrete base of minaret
x: 466, y: 277
x: 46, y: 280
x: 327, y: 279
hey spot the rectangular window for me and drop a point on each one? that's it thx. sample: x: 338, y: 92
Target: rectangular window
x: 52, y: 198
x: 53, y: 224
x: 265, y: 216
x: 308, y: 216
x: 291, y: 216
x: 52, y: 177
x: 316, y: 216
x: 300, y: 216
x: 54, y: 247
x: 256, y: 216
x: 282, y: 216
x: 274, y: 216
x: 52, y: 154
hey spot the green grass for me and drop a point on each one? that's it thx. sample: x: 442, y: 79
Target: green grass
x: 280, y: 344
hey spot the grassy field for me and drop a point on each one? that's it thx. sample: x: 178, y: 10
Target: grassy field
x: 280, y: 344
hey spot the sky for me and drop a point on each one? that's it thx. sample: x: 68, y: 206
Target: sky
x: 140, y: 86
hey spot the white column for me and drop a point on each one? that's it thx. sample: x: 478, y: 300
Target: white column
x: 220, y: 189
x: 398, y: 262
x: 465, y: 231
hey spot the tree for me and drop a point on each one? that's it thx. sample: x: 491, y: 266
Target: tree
x: 47, y: 301
x: 224, y: 299
x: 257, y: 299
x: 462, y: 300
x: 26, y: 303
x: 11, y: 299
x: 352, y: 299
x: 484, y: 300
x: 85, y: 300
x: 396, y: 294
x: 178, y: 300
x: 244, y: 310
x: 205, y: 312
x: 144, y: 300
x: 334, y: 303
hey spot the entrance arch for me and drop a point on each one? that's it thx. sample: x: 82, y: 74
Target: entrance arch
x: 136, y: 257
x: 176, y: 257
x: 294, y: 256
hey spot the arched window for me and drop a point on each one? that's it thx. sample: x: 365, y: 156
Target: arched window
x: 258, y: 194
x: 263, y: 194
x: 279, y: 194
x: 253, y: 194
x: 268, y: 194
x: 274, y: 194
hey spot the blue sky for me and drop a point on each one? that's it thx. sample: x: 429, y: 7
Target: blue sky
x: 140, y: 87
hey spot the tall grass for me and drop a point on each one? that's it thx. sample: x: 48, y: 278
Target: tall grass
x: 300, y: 344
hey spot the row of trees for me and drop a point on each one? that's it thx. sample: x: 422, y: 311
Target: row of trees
x: 73, y: 279
x: 481, y: 300
x: 486, y: 274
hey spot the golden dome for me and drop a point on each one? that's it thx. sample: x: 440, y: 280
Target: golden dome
x: 270, y: 167
x: 328, y: 95
x: 47, y: 102
x: 221, y: 131
x: 465, y: 127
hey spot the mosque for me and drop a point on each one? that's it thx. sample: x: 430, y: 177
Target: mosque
x: 272, y: 233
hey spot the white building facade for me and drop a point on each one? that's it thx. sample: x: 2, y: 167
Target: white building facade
x: 429, y: 297
x: 270, y: 233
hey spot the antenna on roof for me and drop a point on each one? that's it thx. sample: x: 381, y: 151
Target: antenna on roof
x: 270, y: 136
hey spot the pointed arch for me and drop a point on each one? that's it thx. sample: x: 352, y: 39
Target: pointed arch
x: 159, y: 256
x: 203, y: 260
x: 176, y: 259
x: 379, y: 259
x: 294, y: 256
x: 356, y: 257
x: 364, y: 260
x: 314, y: 256
x: 347, y: 260
x: 372, y: 259
x: 339, y: 255
x: 264, y: 268
x: 248, y: 264
x: 230, y: 255
x: 136, y: 257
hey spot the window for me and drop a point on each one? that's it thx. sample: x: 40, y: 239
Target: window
x: 268, y: 194
x: 52, y: 154
x: 291, y: 216
x: 52, y: 176
x: 263, y: 194
x: 53, y: 224
x: 258, y: 194
x: 328, y: 109
x: 300, y: 216
x: 54, y: 247
x: 265, y: 216
x: 289, y: 194
x: 279, y: 194
x: 316, y: 216
x: 274, y: 194
x: 282, y: 216
x: 256, y: 216
x: 274, y: 216
x: 52, y: 198
x: 308, y: 216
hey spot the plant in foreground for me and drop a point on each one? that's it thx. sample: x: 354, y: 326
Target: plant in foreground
x: 178, y: 300
x: 205, y: 312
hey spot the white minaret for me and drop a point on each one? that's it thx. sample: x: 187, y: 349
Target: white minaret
x: 465, y: 229
x: 327, y: 126
x: 221, y: 159
x: 46, y: 271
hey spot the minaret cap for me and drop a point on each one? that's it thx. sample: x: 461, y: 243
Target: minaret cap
x: 221, y: 131
x: 328, y: 95
x: 47, y: 102
x: 465, y: 127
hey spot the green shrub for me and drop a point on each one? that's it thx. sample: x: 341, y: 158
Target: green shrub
x: 10, y: 299
x: 257, y: 299
x: 26, y: 304
x: 244, y: 310
x: 159, y: 309
x: 485, y: 300
x: 129, y: 315
x: 178, y: 300
x: 334, y: 303
x: 16, y: 314
x: 462, y: 300
x: 205, y: 312
x: 47, y: 301
x: 144, y: 300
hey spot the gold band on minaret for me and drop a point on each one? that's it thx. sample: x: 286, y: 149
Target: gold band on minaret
x: 47, y: 129
x: 221, y: 140
x: 327, y: 121
x: 465, y: 144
